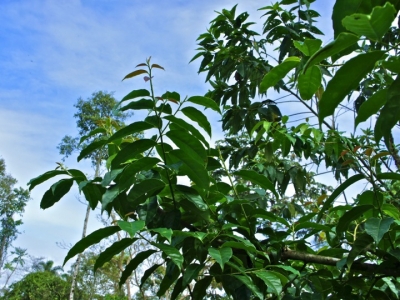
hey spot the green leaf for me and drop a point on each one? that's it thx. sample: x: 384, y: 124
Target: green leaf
x: 343, y: 41
x: 195, y: 170
x: 76, y: 174
x: 93, y: 238
x: 350, y: 216
x: 189, y: 144
x: 145, y: 189
x: 391, y: 211
x: 109, y: 196
x: 93, y: 193
x: 92, y: 133
x: 193, y: 196
x: 377, y: 227
x: 346, y: 79
x: 286, y: 268
x: 135, y: 94
x: 309, y: 46
x: 200, y: 289
x: 371, y: 106
x: 222, y: 256
x: 133, y: 264
x: 388, y: 176
x: 257, y: 179
x: 391, y: 286
x: 309, y: 82
x: 262, y: 213
x: 271, y: 281
x: 135, y: 73
x: 392, y: 64
x: 198, y: 117
x: 56, y: 192
x: 130, y: 152
x: 250, y: 284
x: 328, y: 202
x: 97, y: 144
x: 187, y: 129
x: 164, y: 232
x: 128, y: 178
x: 140, y: 104
x: 172, y: 252
x: 147, y: 274
x: 133, y: 128
x: 206, y: 102
x: 362, y: 243
x: 312, y: 225
x: 131, y: 227
x: 390, y: 113
x: 239, y: 245
x: 373, y: 26
x: 277, y: 73
x: 110, y: 252
x: 191, y: 273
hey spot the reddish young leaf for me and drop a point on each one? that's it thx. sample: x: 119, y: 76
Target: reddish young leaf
x: 135, y: 73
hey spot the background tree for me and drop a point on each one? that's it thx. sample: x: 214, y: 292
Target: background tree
x: 12, y: 205
x: 91, y: 114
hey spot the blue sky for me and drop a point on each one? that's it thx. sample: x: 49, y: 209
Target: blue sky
x: 53, y: 52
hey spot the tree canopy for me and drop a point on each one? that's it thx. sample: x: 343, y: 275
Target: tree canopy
x: 249, y: 213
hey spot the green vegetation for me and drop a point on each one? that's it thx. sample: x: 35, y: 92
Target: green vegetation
x: 254, y: 220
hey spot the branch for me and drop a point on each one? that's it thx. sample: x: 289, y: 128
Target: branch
x: 332, y: 261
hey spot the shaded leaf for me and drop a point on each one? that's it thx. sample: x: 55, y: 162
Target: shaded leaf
x: 145, y: 189
x: 250, y: 285
x: 206, y: 102
x: 133, y: 128
x: 371, y: 106
x: 172, y: 252
x: 91, y: 239
x: 278, y: 73
x: 362, y: 242
x: 131, y: 151
x: 56, y: 192
x: 110, y: 252
x: 133, y: 264
x: 198, y: 117
x: 377, y: 227
x: 350, y: 216
x: 271, y: 281
x: 346, y: 79
x: 222, y: 255
x: 257, y: 179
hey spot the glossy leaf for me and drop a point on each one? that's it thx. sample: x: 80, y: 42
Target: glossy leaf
x: 190, y: 145
x: 346, y: 79
x: 343, y: 41
x: 371, y: 106
x: 328, y: 202
x: 134, y: 263
x: 131, y: 129
x: 271, y: 281
x: 309, y: 82
x: 373, y: 26
x: 309, y: 46
x: 278, y: 73
x: 91, y: 239
x: 186, y: 128
x: 164, y: 232
x: 110, y: 252
x: 56, y: 192
x: 222, y: 255
x: 206, y: 102
x: 131, y: 227
x: 145, y: 189
x: 197, y: 116
x: 257, y: 179
x: 140, y: 104
x: 76, y: 174
x: 390, y: 113
x: 128, y: 177
x: 132, y: 151
x: 377, y: 227
x: 172, y: 252
x: 195, y: 170
x: 136, y: 94
x: 248, y: 282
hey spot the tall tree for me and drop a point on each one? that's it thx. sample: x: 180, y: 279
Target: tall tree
x: 91, y: 113
x: 12, y: 205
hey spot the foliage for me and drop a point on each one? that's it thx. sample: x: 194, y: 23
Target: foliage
x: 235, y: 224
x: 41, y: 285
x: 12, y: 204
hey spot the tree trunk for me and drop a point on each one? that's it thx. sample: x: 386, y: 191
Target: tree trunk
x: 85, y: 222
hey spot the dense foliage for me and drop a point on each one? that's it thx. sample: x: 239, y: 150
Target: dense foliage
x: 236, y: 224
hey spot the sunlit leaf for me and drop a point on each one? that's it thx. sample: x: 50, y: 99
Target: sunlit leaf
x: 131, y: 227
x: 309, y: 82
x: 271, y: 281
x: 206, y: 102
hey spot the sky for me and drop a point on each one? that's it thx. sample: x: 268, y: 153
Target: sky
x: 53, y: 52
